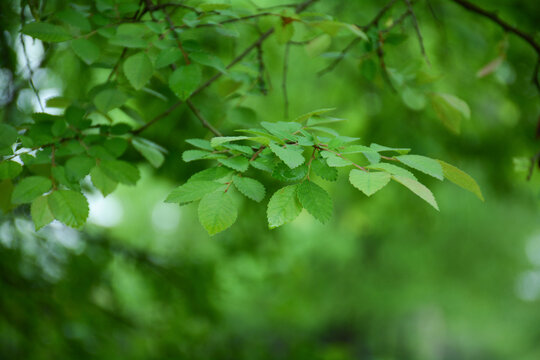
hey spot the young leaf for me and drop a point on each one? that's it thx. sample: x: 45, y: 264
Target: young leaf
x: 238, y: 163
x: 138, y: 69
x: 41, y: 214
x: 417, y: 188
x: 46, y: 32
x: 9, y: 169
x: 283, y: 207
x: 151, y: 151
x: 192, y: 191
x: 69, y: 207
x: 382, y: 148
x: 450, y: 110
x: 217, y: 211
x: 218, y: 140
x: 102, y: 182
x: 368, y: 182
x: 423, y: 164
x: 315, y: 200
x: 86, y: 50
x: 215, y: 173
x: 461, y: 179
x: 30, y: 188
x: 290, y: 155
x: 250, y: 188
x: 185, y: 80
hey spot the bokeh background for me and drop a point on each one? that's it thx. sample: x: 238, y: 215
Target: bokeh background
x: 387, y: 278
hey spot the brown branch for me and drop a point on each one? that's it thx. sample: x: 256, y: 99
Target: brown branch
x: 157, y: 118
x: 508, y: 28
x: 201, y: 118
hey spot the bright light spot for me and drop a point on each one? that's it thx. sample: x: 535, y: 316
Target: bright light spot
x: 35, y: 52
x: 528, y: 286
x: 165, y: 217
x: 104, y: 211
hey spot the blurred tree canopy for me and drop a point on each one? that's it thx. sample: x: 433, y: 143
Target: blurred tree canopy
x: 114, y: 112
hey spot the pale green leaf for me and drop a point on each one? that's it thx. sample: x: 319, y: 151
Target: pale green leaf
x: 461, y: 179
x: 392, y: 169
x: 418, y: 188
x: 315, y: 200
x: 283, y: 207
x: 218, y: 140
x: 217, y: 211
x: 215, y: 173
x: 424, y: 164
x: 200, y: 143
x: 368, y: 182
x: 192, y: 155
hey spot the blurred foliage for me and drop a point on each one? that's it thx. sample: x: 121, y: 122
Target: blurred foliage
x: 386, y: 278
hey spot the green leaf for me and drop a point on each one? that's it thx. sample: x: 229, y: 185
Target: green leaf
x: 168, y: 56
x: 392, y: 169
x: 192, y: 191
x: 86, y: 50
x: 335, y: 161
x: 102, y: 182
x: 315, y: 200
x: 382, y: 148
x: 200, y: 143
x: 215, y: 173
x: 120, y: 171
x: 208, y: 60
x: 185, y: 80
x: 78, y: 167
x: 138, y: 70
x: 238, y: 163
x: 151, y: 151
x: 6, y: 190
x: 250, y: 188
x: 192, y: 155
x: 450, y: 110
x: 461, y: 179
x: 282, y: 129
x: 109, y: 99
x: 69, y: 207
x: 290, y: 155
x: 423, y: 164
x: 46, y: 32
x: 283, y: 207
x: 368, y: 182
x: 284, y: 32
x: 217, y: 211
x: 284, y: 173
x: 9, y: 169
x: 218, y: 140
x: 8, y: 135
x: 313, y: 113
x: 30, y: 188
x: 322, y: 169
x: 417, y: 188
x: 41, y: 214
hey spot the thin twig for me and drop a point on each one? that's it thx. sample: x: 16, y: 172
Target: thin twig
x: 29, y: 67
x: 260, y: 76
x: 417, y: 28
x: 380, y: 54
x: 284, y: 81
x: 340, y: 57
x: 201, y: 118
x: 378, y: 17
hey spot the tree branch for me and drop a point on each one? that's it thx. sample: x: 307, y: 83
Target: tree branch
x: 417, y: 28
x: 203, y: 121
